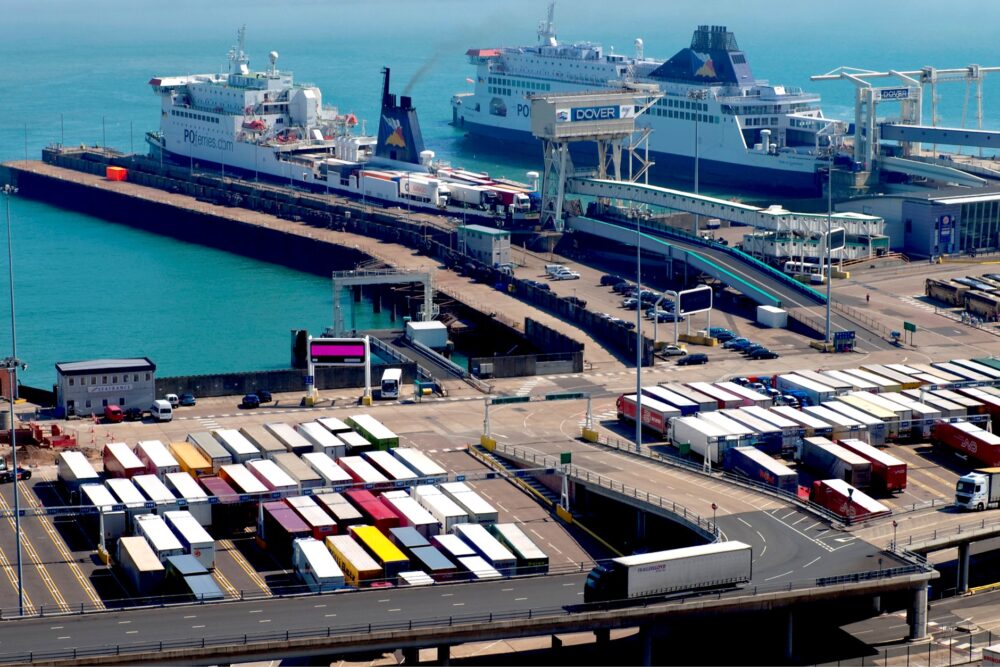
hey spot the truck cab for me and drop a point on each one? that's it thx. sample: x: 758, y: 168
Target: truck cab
x: 978, y: 490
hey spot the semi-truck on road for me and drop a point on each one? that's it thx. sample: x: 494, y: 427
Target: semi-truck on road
x: 721, y: 564
x: 979, y: 489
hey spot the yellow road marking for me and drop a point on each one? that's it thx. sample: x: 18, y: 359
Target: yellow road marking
x: 234, y: 553
x: 226, y: 585
x: 39, y: 566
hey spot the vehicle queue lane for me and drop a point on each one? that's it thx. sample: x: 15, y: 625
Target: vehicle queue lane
x: 338, y: 611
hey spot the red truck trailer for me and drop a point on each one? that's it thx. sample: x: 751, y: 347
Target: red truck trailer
x: 968, y: 440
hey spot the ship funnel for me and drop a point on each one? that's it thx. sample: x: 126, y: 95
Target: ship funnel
x: 533, y: 179
x: 399, y: 136
x: 765, y: 140
x: 638, y: 48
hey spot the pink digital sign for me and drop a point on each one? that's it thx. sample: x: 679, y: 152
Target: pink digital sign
x: 349, y: 352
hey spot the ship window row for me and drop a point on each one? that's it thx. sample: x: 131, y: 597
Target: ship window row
x: 497, y: 90
x: 682, y: 104
x: 686, y: 115
x: 514, y: 83
x: 760, y: 122
x: 195, y: 116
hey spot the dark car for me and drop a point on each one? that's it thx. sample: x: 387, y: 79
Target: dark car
x: 8, y: 475
x: 764, y: 354
x: 264, y: 396
x: 623, y: 287
x: 610, y: 280
x: 188, y: 399
x: 133, y: 414
x: 538, y: 285
x: 576, y: 301
x: 250, y: 401
x: 750, y: 349
x: 692, y: 359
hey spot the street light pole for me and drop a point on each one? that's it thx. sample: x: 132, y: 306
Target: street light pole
x: 11, y: 363
x: 829, y: 230
x: 638, y: 333
x: 697, y: 95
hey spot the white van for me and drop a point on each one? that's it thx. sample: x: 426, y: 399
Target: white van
x: 161, y: 411
x: 391, y: 379
x: 551, y: 269
x: 173, y: 400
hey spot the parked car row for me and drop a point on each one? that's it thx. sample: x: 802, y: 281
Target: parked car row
x: 251, y: 401
x: 742, y: 345
x: 560, y: 272
x: 776, y: 396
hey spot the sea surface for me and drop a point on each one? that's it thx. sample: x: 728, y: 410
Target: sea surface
x: 77, y: 72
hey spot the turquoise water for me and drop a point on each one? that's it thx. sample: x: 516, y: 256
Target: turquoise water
x: 77, y: 72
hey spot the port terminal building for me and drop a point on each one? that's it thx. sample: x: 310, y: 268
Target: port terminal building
x: 87, y: 387
x: 931, y: 223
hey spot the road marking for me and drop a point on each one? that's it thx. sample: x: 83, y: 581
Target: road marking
x: 131, y: 632
x: 778, y: 576
x: 800, y: 521
x: 506, y: 590
x: 40, y: 568
x: 319, y: 606
x: 264, y: 620
x: 256, y: 611
x: 56, y: 627
x: 788, y: 515
x: 124, y: 622
x: 195, y: 627
x: 762, y: 552
x: 191, y: 616
x: 394, y: 610
x: 761, y: 537
x: 520, y: 599
x: 744, y: 522
x: 457, y: 604
x: 385, y: 600
x: 328, y: 615
x: 811, y: 562
x: 67, y: 637
x: 230, y: 548
x: 564, y: 586
x: 448, y: 595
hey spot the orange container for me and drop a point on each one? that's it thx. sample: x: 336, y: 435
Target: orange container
x: 116, y: 173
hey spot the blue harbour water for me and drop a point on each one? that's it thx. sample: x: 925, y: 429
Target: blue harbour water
x: 76, y: 72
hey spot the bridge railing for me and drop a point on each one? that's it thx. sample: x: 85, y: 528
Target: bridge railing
x: 916, y: 540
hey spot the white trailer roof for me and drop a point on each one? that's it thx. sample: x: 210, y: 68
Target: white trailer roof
x: 235, y: 442
x: 442, y: 505
x: 327, y: 468
x: 314, y: 515
x: 841, y: 453
x: 858, y: 401
x: 832, y: 416
x: 125, y: 456
x: 416, y: 578
x: 263, y: 438
x: 321, y: 561
x: 269, y: 470
x: 390, y: 464
x: 653, y: 404
x: 184, y: 485
x: 859, y: 497
x: 126, y: 491
x: 880, y: 381
x: 977, y: 367
x: 962, y: 372
x: 339, y: 506
x: 903, y: 368
x: 485, y: 543
x: 854, y: 413
x: 685, y: 552
x: 882, y: 401
x: 299, y: 470
x: 743, y: 392
x: 291, y: 438
x: 78, y: 465
x: 766, y: 414
x: 670, y: 397
x: 939, y: 372
x: 712, y: 391
x: 479, y: 567
x: 374, y: 427
x: 773, y: 465
x: 454, y: 545
x: 245, y: 480
x: 319, y: 435
x: 158, y: 453
x: 954, y: 396
x: 154, y: 489
x: 98, y: 496
x: 825, y: 378
x: 473, y: 502
x: 142, y: 555
x: 704, y: 427
x: 411, y: 509
x: 977, y: 432
x: 156, y: 530
x: 750, y: 421
x: 334, y: 425
x: 853, y: 381
x: 806, y: 383
x: 366, y: 471
x: 800, y: 417
x: 730, y: 426
x: 871, y: 453
x: 354, y: 552
x: 931, y: 399
x: 925, y: 410
x: 419, y: 462
x: 521, y: 543
x: 353, y: 439
x: 185, y: 524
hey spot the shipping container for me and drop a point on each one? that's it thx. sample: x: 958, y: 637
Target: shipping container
x: 816, y: 392
x: 75, y: 470
x: 129, y: 495
x: 272, y: 476
x: 902, y: 379
x: 156, y: 531
x: 441, y: 507
x: 325, y: 467
x: 121, y: 461
x: 835, y: 462
x: 662, y: 394
x: 142, y: 569
x: 944, y: 376
x: 358, y: 567
x: 192, y: 461
x: 487, y: 546
x: 374, y: 511
x: 743, y: 435
x: 362, y: 472
x: 356, y: 443
x: 791, y: 431
x: 656, y: 415
x: 242, y: 479
x: 420, y: 463
x: 478, y: 568
x: 320, y: 523
x: 855, y: 383
x: 701, y: 437
x: 767, y: 437
x: 263, y: 439
x: 888, y: 417
x: 334, y: 425
x: 530, y: 559
x: 720, y: 564
x: 389, y: 465
x: 968, y: 441
x: 843, y: 426
x: 237, y: 444
x: 315, y: 565
x: 479, y: 510
x: 193, y: 537
x: 845, y: 500
x: 211, y: 449
x: 406, y: 537
x: 289, y: 437
x: 949, y: 409
x: 924, y: 415
x: 342, y: 511
x: 434, y: 563
x: 888, y: 472
x: 157, y: 458
x: 113, y: 522
x: 452, y: 546
x: 411, y: 514
x: 840, y: 386
x: 195, y: 497
x: 811, y: 426
x: 386, y: 554
x: 761, y: 468
x: 322, y: 439
x: 875, y: 428
x: 705, y: 403
x: 374, y: 431
x: 903, y: 413
x: 964, y: 373
x: 882, y: 383
x: 723, y: 398
x: 300, y: 471
x: 278, y: 526
x: 155, y: 490
x: 748, y: 396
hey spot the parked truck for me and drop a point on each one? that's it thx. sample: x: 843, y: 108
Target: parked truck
x: 701, y: 437
x: 690, y: 568
x: 888, y: 472
x: 834, y: 461
x: 845, y: 501
x: 979, y: 489
x: 759, y: 467
x: 656, y: 414
x: 968, y: 440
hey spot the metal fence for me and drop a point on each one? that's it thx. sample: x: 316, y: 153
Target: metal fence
x: 947, y: 647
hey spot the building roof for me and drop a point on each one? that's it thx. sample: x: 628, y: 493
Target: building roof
x: 948, y: 195
x: 492, y: 231
x: 101, y: 365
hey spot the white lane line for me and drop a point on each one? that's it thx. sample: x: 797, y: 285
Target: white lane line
x: 66, y: 637
x: 811, y: 562
x: 448, y: 595
x: 744, y: 522
x: 256, y: 611
x: 761, y: 537
x: 778, y: 576
x: 264, y: 620
x: 762, y: 552
x: 319, y: 606
x: 564, y: 586
x: 788, y: 515
x: 457, y: 604
x: 385, y: 600
x: 131, y: 632
x: 394, y: 610
x: 800, y: 521
x: 507, y: 590
x: 811, y: 527
x: 59, y: 627
x: 191, y: 616
x: 195, y: 627
x: 328, y: 615
x: 124, y: 622
x: 520, y: 599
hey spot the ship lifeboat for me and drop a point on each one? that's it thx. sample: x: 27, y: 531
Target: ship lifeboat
x: 287, y: 136
x: 255, y: 125
x: 351, y: 120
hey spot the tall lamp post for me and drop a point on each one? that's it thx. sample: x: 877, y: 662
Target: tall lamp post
x: 11, y: 363
x: 829, y: 230
x: 698, y: 96
x: 638, y: 334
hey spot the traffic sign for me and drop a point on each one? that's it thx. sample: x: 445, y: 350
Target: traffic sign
x: 909, y: 326
x: 310, y: 380
x: 565, y: 458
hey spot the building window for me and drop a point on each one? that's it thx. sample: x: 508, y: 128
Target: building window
x: 135, y: 378
x: 114, y: 379
x: 909, y: 226
x: 71, y: 382
x: 104, y: 402
x: 88, y: 402
x: 147, y: 377
x: 104, y: 379
x: 93, y: 379
x: 121, y: 401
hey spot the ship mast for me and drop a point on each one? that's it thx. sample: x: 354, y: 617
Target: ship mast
x: 547, y: 28
x: 237, y: 54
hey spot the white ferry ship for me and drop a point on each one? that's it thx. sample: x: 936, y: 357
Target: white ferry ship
x: 265, y: 125
x: 750, y: 132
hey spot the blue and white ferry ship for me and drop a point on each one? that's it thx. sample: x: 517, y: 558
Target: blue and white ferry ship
x: 749, y: 132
